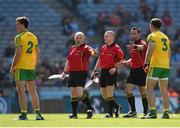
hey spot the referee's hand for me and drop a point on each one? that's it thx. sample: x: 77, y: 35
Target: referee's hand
x: 146, y: 68
x: 112, y: 71
x: 94, y: 74
x: 63, y: 75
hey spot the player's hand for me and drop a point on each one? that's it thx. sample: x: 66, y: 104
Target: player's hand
x: 146, y: 68
x: 112, y: 71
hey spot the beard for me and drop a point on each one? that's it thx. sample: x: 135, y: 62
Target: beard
x: 134, y: 38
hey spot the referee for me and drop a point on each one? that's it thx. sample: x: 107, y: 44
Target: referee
x: 110, y: 54
x: 77, y: 67
x: 137, y: 75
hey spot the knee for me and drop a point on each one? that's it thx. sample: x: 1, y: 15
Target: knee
x: 82, y: 96
x: 164, y: 92
x: 148, y: 89
x: 104, y: 97
x: 142, y: 90
x: 20, y: 90
x: 32, y: 91
x: 73, y: 95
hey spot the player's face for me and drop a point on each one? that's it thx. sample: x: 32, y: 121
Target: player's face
x: 134, y: 34
x: 108, y: 37
x: 79, y: 39
x: 18, y: 27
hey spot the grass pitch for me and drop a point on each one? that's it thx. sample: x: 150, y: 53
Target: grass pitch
x: 98, y: 120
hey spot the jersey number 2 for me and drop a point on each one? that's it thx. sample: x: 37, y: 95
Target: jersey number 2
x: 29, y: 50
x: 165, y: 46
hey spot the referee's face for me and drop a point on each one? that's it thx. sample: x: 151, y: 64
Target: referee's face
x: 79, y: 39
x: 108, y: 38
x: 134, y: 35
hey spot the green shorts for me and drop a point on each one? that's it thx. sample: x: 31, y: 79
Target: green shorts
x: 24, y: 74
x: 159, y: 72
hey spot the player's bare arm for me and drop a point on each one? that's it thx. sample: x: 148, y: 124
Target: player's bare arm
x: 37, y: 55
x: 16, y: 58
x: 149, y: 53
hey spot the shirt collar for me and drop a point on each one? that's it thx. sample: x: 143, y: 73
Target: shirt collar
x: 111, y: 45
x: 137, y: 41
x: 81, y: 45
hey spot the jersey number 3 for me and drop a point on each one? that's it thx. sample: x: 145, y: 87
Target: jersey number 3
x: 165, y: 46
x: 29, y: 50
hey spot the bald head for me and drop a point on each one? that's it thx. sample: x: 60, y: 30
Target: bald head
x: 110, y: 32
x: 79, y: 38
x: 78, y: 34
x: 109, y: 37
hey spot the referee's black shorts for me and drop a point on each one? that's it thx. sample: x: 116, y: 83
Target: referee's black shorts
x: 137, y: 77
x: 77, y: 78
x: 106, y: 79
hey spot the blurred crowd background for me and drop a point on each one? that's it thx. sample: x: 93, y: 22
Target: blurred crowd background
x: 56, y: 21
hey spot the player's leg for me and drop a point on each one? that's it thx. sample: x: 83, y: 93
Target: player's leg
x: 144, y: 99
x: 131, y: 101
x: 150, y: 84
x: 20, y: 86
x: 74, y: 102
x: 163, y: 85
x: 31, y: 86
x: 21, y: 89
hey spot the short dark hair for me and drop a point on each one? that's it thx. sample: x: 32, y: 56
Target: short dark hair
x: 23, y: 20
x: 136, y: 28
x: 156, y: 23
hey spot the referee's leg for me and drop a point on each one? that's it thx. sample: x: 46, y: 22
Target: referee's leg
x: 131, y: 101
x: 74, y: 103
x: 111, y: 101
x: 85, y: 99
x: 144, y: 99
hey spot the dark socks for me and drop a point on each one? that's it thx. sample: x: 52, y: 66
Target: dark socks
x: 110, y: 107
x: 131, y: 101
x: 111, y: 104
x: 74, y: 103
x: 86, y: 101
x: 145, y: 103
